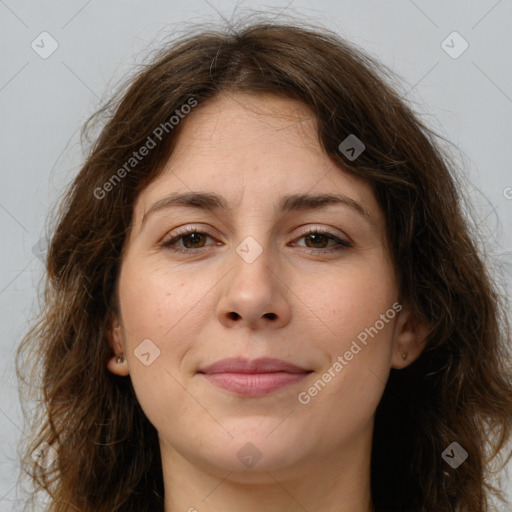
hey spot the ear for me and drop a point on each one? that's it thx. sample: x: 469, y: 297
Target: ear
x: 409, y: 338
x: 115, y: 339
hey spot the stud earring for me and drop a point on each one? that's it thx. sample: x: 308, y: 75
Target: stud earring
x: 120, y: 359
x: 404, y: 355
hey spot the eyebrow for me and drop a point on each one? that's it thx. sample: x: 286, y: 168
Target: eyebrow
x: 293, y: 202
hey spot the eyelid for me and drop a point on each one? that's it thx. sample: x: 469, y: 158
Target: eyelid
x: 325, y: 230
x: 185, y: 230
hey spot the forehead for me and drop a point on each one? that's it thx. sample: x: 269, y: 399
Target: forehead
x: 252, y: 149
x: 233, y: 124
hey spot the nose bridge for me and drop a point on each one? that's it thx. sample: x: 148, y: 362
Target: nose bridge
x: 253, y: 294
x: 252, y: 254
x: 252, y: 275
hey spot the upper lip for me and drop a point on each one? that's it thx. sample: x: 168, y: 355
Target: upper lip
x: 261, y: 365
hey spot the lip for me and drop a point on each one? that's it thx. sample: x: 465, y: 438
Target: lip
x: 255, y: 377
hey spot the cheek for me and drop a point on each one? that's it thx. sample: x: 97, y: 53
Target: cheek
x: 165, y: 308
x: 358, y: 309
x: 353, y: 300
x: 171, y: 309
x: 157, y: 303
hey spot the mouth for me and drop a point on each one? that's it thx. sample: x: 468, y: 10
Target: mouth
x: 255, y: 377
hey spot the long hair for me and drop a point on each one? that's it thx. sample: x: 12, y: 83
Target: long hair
x: 106, y: 453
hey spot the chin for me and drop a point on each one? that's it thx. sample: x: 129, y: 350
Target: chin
x: 255, y: 450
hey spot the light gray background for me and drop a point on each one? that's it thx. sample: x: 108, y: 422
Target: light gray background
x: 44, y: 101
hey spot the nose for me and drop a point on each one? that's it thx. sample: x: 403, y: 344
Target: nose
x: 255, y: 295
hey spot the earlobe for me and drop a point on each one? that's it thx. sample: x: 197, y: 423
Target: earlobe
x: 117, y: 364
x: 410, y: 337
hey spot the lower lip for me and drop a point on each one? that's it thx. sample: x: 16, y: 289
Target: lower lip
x: 254, y: 384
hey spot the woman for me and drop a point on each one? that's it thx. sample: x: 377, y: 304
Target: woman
x: 262, y: 295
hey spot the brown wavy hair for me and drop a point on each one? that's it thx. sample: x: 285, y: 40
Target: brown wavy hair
x: 458, y: 390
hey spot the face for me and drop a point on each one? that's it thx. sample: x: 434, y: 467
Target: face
x: 257, y: 270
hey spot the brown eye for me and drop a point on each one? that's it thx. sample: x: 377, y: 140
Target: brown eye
x: 318, y: 239
x: 187, y: 240
x: 194, y: 240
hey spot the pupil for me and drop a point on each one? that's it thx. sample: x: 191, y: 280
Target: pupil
x: 316, y: 236
x: 194, y: 238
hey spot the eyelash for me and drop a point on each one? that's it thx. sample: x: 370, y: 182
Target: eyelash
x: 340, y: 244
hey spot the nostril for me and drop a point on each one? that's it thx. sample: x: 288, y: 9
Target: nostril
x: 272, y: 316
x: 233, y: 315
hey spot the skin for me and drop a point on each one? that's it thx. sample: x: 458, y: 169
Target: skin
x: 253, y: 150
